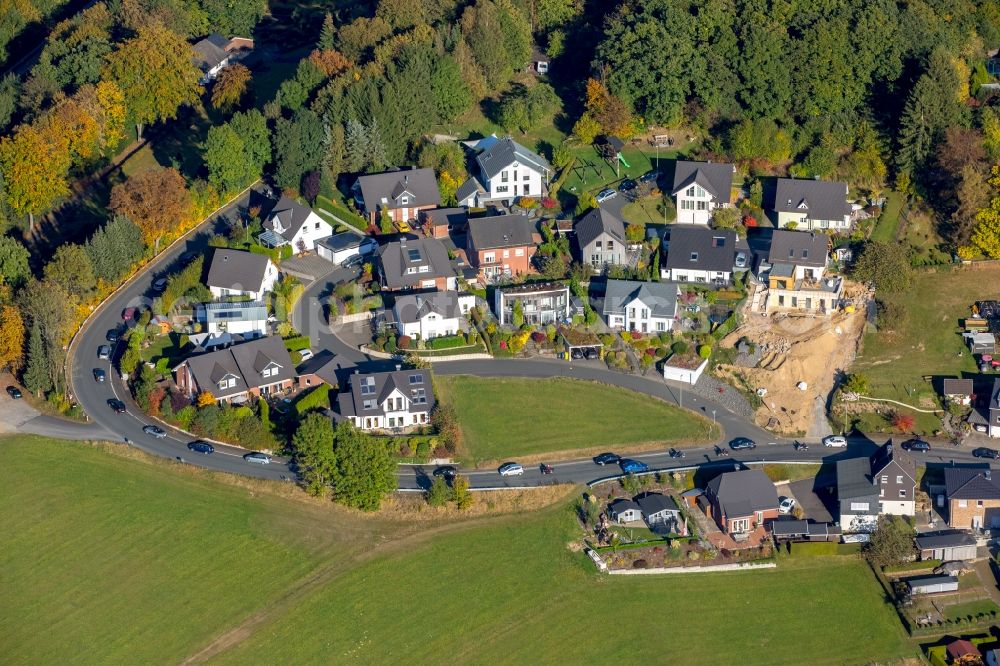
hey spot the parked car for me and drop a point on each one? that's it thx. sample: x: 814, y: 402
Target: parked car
x: 606, y: 459
x: 741, y: 260
x: 187, y: 257
x: 980, y: 427
x: 576, y: 353
x: 916, y: 444
x: 627, y: 185
x: 591, y: 353
x: 606, y: 195
x: 351, y: 262
x: 306, y: 354
x: 630, y: 466
x: 199, y: 446
x: 99, y: 375
x: 546, y: 469
x: 130, y: 315
x: 984, y: 452
x: 649, y: 177
x: 155, y: 431
x: 785, y: 505
x: 116, y: 405
x: 112, y: 335
x: 742, y: 443
x: 835, y: 441
x: 674, y: 453
x: 258, y: 458
x: 160, y: 285
x: 447, y: 471
x: 14, y: 392
x: 511, y: 469
x: 104, y: 352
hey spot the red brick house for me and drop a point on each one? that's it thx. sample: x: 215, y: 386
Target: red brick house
x: 500, y: 246
x: 234, y: 374
x: 741, y: 501
x: 402, y: 193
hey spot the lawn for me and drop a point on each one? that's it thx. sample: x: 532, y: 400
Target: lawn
x: 591, y: 173
x: 512, y: 592
x: 927, y: 341
x: 507, y: 417
x: 973, y: 608
x: 115, y: 560
x: 888, y: 222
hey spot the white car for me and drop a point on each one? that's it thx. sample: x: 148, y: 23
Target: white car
x: 835, y: 441
x: 605, y: 195
x: 785, y: 505
x: 511, y: 469
x: 306, y: 354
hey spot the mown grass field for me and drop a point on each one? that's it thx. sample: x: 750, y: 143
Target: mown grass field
x: 112, y: 558
x: 508, y: 417
x: 512, y: 592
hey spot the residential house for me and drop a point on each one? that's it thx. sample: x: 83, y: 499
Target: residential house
x: 963, y: 651
x: 973, y: 497
x: 741, y: 501
x: 812, y: 205
x: 291, y: 223
x: 600, y: 237
x: 660, y: 512
x: 947, y: 545
x: 215, y: 52
x: 957, y: 391
x: 541, y: 302
x: 647, y: 307
x: 394, y: 400
x: 993, y: 428
x: 624, y: 511
x: 247, y: 319
x: 442, y: 222
x: 431, y: 315
x: 700, y: 254
x: 320, y: 369
x: 338, y: 248
x: 260, y: 367
x: 795, y: 274
x: 402, y: 193
x: 506, y: 171
x: 884, y: 483
x: 239, y: 273
x: 416, y: 263
x: 500, y: 247
x: 699, y: 188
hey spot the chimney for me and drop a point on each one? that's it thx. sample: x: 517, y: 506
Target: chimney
x: 398, y: 367
x: 356, y: 371
x: 986, y: 473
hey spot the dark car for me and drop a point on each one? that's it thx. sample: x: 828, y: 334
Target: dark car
x: 546, y: 469
x: 674, y: 453
x: 99, y: 375
x: 117, y: 405
x: 187, y: 257
x: 649, y: 176
x: 198, y: 446
x: 630, y: 466
x: 155, y: 431
x: 742, y: 443
x: 447, y: 471
x: 14, y: 392
x: 576, y: 353
x: 606, y: 459
x: 983, y: 452
x: 112, y: 335
x: 627, y: 185
x: 356, y: 260
x: 160, y: 285
x: 915, y: 445
x: 591, y: 353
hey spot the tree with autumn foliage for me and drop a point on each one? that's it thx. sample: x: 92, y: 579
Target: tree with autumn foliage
x: 903, y: 422
x: 330, y: 61
x: 230, y: 86
x: 11, y: 338
x: 156, y: 72
x: 206, y: 399
x: 34, y: 166
x: 609, y: 111
x: 157, y: 200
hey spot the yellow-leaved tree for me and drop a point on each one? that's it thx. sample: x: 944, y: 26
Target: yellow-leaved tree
x: 11, y: 338
x: 986, y: 235
x: 206, y: 399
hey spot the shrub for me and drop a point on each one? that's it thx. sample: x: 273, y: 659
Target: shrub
x: 705, y: 351
x: 679, y: 347
x: 404, y: 342
x: 316, y: 398
x: 548, y: 203
x: 447, y: 342
x: 640, y: 564
x: 538, y: 337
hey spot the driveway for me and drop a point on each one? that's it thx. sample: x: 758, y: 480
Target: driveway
x: 810, y: 496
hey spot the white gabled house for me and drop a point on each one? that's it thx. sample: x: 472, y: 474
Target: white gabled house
x: 239, y: 273
x: 395, y: 401
x: 646, y: 307
x: 431, y: 315
x: 699, y: 188
x: 291, y: 223
x: 507, y: 171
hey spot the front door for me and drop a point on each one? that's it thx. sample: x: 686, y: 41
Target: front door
x: 977, y: 522
x: 404, y: 215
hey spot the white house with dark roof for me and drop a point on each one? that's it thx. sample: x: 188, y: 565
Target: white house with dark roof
x: 884, y: 483
x: 699, y: 188
x: 395, y: 400
x: 291, y: 223
x: 247, y: 319
x: 234, y: 374
x: 416, y: 263
x: 239, y: 273
x: 795, y: 272
x: 647, y: 307
x: 431, y: 315
x: 600, y: 236
x: 700, y: 254
x: 812, y: 205
x: 215, y: 52
x: 403, y: 193
x: 506, y: 171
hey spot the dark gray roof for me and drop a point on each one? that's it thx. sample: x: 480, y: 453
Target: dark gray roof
x: 501, y: 231
x: 229, y: 312
x: 958, y: 387
x: 503, y: 152
x: 379, y: 385
x: 818, y: 199
x: 622, y: 505
x: 468, y: 188
x: 245, y: 362
x: 346, y: 240
x: 744, y: 492
x: 854, y: 479
x: 802, y: 248
x: 790, y: 527
x: 596, y: 222
x: 887, y: 454
x: 715, y: 178
x: 418, y: 185
x: 324, y: 365
x: 945, y: 539
x: 211, y: 51
x: 653, y: 503
x: 661, y: 297
x: 400, y: 256
x: 236, y: 269
x: 292, y: 216
x: 971, y: 483
x: 446, y: 217
x: 700, y: 248
x: 411, y: 308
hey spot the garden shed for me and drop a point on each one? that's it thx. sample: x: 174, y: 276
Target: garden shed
x: 932, y: 584
x: 946, y: 546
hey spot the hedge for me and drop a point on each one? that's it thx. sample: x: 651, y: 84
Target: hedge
x: 446, y: 342
x: 823, y: 548
x: 912, y: 566
x: 316, y: 398
x: 297, y: 343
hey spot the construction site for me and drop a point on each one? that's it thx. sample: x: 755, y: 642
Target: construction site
x: 790, y: 362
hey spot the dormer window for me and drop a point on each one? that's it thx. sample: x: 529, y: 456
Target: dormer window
x: 718, y: 241
x: 805, y: 254
x: 694, y: 256
x: 367, y: 386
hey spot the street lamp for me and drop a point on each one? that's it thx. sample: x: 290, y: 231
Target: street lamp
x: 713, y: 417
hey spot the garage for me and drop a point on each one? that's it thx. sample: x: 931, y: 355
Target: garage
x: 341, y: 247
x: 947, y: 546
